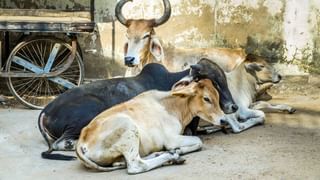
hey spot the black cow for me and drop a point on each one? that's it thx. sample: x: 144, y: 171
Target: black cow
x: 61, y: 121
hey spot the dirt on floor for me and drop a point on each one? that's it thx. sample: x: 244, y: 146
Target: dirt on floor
x: 287, y: 146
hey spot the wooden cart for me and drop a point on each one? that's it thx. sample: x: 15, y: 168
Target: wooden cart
x: 39, y: 66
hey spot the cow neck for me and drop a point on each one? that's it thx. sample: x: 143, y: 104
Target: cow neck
x: 175, y: 77
x: 180, y: 108
x: 242, y: 84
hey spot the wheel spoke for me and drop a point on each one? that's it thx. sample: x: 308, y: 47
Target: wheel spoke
x: 28, y: 65
x: 62, y: 82
x: 37, y: 55
x: 34, y: 56
x: 52, y: 57
x: 25, y: 87
x: 62, y: 60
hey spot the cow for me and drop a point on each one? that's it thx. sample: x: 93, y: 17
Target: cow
x: 143, y: 47
x: 266, y: 77
x: 146, y: 131
x: 242, y: 82
x: 61, y: 121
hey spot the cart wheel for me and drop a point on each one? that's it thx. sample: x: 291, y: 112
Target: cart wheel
x: 38, y: 55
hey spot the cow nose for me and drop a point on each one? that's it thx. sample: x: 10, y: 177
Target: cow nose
x: 234, y: 107
x: 128, y: 61
x: 229, y: 108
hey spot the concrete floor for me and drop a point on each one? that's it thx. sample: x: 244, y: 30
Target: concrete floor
x: 285, y: 147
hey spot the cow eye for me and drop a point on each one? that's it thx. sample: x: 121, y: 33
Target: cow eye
x: 261, y: 66
x: 206, y: 99
x: 146, y: 36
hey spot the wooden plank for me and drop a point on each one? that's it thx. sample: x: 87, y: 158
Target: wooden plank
x: 47, y: 19
x: 46, y: 27
x: 44, y: 13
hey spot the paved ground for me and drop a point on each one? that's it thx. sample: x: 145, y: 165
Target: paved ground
x: 286, y: 147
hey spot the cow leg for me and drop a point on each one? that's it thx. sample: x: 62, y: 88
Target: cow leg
x: 247, y: 113
x: 191, y: 128
x: 252, y: 118
x: 138, y: 165
x: 153, y: 155
x: 130, y: 150
x: 184, y: 144
x: 259, y: 105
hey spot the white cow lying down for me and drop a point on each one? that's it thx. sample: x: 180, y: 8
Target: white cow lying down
x: 243, y: 77
x: 137, y: 130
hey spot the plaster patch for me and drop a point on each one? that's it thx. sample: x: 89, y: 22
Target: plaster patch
x: 297, y: 30
x: 191, y: 35
x: 233, y: 14
x: 274, y: 6
x: 248, y: 3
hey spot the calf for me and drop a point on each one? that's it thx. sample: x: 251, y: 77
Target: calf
x: 61, y: 121
x: 137, y: 130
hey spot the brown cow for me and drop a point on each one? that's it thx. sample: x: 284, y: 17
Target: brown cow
x: 137, y: 130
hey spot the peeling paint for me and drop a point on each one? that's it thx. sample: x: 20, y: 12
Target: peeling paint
x: 274, y: 6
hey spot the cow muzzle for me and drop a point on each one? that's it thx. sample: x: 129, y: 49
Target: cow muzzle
x: 129, y: 61
x: 230, y: 108
x: 277, y: 78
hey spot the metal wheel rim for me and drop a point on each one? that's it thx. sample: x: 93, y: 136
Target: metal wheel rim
x: 38, y: 92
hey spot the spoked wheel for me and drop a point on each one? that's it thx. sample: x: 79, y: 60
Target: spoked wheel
x: 39, y: 55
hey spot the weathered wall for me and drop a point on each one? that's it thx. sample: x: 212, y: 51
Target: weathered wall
x: 287, y: 32
x: 284, y: 31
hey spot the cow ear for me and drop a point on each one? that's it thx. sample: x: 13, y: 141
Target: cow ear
x: 185, y: 91
x: 195, y: 72
x: 156, y: 49
x: 251, y: 67
x: 184, y: 87
x: 183, y: 82
x: 196, y: 69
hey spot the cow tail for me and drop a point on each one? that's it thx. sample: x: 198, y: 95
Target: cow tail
x: 47, y: 154
x: 43, y: 131
x: 91, y: 164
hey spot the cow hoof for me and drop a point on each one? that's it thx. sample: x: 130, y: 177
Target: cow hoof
x: 188, y: 132
x: 224, y: 130
x: 292, y: 110
x: 262, y: 122
x: 178, y: 161
x: 236, y: 131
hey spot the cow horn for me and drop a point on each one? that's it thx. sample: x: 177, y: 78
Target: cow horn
x: 119, y: 14
x: 166, y: 15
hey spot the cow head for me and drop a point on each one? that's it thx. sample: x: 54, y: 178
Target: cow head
x: 261, y: 70
x: 208, y: 69
x: 142, y: 46
x: 203, y: 99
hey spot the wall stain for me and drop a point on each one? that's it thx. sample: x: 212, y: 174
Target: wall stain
x: 195, y: 23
